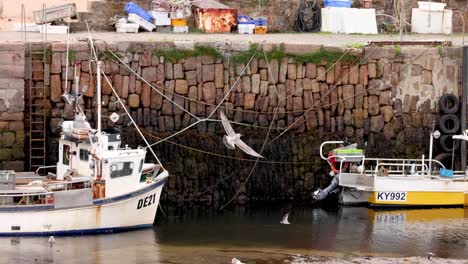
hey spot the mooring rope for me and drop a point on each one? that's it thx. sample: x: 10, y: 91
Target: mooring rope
x: 152, y: 135
x: 212, y: 113
x: 321, y: 98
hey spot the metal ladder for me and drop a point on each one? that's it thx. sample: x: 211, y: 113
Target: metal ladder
x: 39, y: 82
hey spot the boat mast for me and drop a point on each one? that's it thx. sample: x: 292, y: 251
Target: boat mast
x: 99, y: 100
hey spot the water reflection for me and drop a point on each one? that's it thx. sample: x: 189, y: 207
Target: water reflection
x: 196, y: 236
x: 346, y: 230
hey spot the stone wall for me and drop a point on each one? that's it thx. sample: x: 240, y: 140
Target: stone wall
x: 388, y: 100
x: 12, y: 75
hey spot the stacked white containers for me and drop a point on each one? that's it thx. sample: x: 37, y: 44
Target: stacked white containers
x: 148, y: 26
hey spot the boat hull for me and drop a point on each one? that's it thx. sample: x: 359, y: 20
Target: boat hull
x: 413, y: 198
x: 130, y: 211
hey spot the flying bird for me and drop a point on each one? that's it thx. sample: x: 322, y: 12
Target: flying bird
x: 285, y: 221
x: 232, y: 139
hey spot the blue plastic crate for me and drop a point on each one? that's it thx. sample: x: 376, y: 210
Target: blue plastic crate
x: 260, y: 21
x: 133, y: 8
x: 446, y: 173
x: 338, y: 3
x: 243, y: 19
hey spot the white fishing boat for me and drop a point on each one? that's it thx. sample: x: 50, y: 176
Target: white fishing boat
x: 99, y: 186
x: 391, y: 182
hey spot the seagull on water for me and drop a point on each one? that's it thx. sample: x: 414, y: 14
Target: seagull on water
x: 236, y: 261
x: 232, y: 139
x: 285, y: 221
x: 430, y: 255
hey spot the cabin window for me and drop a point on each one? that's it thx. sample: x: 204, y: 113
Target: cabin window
x: 141, y: 165
x: 145, y: 175
x: 121, y: 169
x: 110, y: 148
x: 66, y: 154
x: 84, y: 154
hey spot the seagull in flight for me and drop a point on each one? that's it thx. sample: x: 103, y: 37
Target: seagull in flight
x: 232, y: 139
x: 285, y: 220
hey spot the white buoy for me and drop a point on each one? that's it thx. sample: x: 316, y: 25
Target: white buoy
x: 51, y: 240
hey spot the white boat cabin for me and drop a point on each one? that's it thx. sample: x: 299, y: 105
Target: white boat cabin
x: 121, y: 170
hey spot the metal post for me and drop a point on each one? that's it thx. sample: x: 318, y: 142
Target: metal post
x: 99, y: 100
x: 463, y: 103
x: 431, y: 145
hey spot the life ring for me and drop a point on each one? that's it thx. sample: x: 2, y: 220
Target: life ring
x: 332, y: 161
x: 81, y: 133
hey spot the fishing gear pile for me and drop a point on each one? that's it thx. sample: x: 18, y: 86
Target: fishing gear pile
x: 309, y: 18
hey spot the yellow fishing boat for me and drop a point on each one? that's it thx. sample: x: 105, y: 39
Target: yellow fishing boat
x: 392, y: 182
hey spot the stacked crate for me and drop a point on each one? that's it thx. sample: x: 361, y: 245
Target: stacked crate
x: 245, y: 25
x: 260, y: 25
x: 179, y: 22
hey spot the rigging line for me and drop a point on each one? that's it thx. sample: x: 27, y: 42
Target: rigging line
x: 264, y: 142
x: 149, y: 134
x: 303, y: 120
x: 246, y: 125
x: 324, y: 74
x: 150, y: 85
x: 68, y: 51
x: 242, y: 110
x: 133, y: 121
x: 320, y: 100
x: 235, y: 83
x: 209, y: 116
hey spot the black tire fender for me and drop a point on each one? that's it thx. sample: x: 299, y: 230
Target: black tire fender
x: 448, y: 144
x: 449, y: 124
x: 448, y: 104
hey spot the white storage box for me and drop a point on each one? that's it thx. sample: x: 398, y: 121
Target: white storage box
x: 433, y: 22
x: 431, y: 6
x: 29, y: 27
x: 349, y: 20
x: 148, y: 26
x: 246, y: 28
x: 161, y: 18
x: 179, y: 14
x: 180, y: 29
x: 52, y: 29
x: 127, y: 27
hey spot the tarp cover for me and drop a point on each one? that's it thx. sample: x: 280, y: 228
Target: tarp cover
x: 73, y: 198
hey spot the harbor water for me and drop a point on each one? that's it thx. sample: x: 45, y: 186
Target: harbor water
x: 255, y: 235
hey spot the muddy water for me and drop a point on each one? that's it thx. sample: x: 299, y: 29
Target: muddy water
x: 254, y: 235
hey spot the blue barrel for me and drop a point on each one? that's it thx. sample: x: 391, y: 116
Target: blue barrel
x: 133, y: 8
x: 338, y: 3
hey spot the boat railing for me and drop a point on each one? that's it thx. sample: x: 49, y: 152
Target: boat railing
x: 7, y: 198
x: 45, y: 167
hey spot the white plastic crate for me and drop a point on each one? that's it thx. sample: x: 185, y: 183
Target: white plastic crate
x: 179, y: 14
x: 180, y: 29
x: 52, y: 29
x: 246, y: 28
x: 148, y: 26
x: 127, y: 27
x: 161, y: 18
